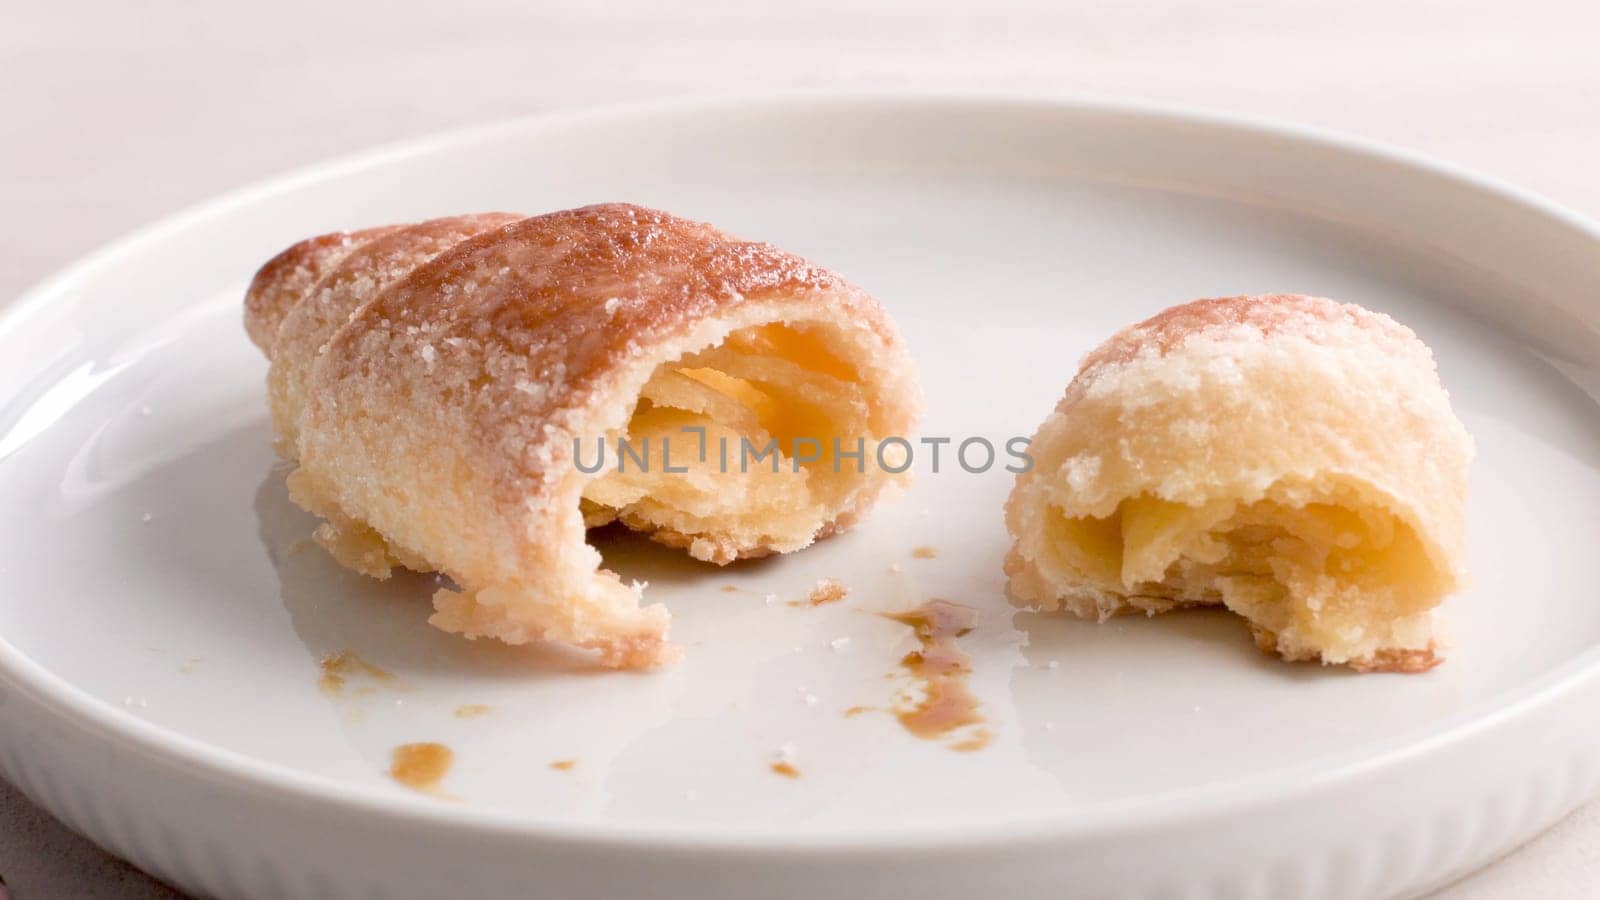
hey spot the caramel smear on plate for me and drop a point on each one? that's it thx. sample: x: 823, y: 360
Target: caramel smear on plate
x: 946, y: 705
x: 563, y: 765
x: 924, y: 552
x: 421, y: 766
x: 730, y: 589
x: 473, y: 711
x: 786, y: 769
x: 339, y: 668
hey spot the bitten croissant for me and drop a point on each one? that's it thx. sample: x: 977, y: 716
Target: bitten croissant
x: 1291, y: 458
x: 456, y: 394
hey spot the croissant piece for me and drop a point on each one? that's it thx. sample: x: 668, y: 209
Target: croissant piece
x: 451, y: 391
x: 1291, y: 458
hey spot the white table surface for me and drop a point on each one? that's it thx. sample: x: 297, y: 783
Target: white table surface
x: 115, y: 113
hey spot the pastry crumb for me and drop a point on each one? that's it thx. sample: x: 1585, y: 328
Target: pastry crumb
x: 827, y: 590
x: 338, y: 668
x: 783, y: 761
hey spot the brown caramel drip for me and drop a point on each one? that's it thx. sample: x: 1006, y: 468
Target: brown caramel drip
x: 420, y: 766
x: 563, y: 765
x: 785, y: 769
x: 942, y: 666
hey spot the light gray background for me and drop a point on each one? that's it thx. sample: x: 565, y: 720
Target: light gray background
x: 116, y: 113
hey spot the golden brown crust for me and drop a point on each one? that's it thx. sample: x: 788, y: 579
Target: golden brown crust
x: 364, y: 269
x: 284, y: 280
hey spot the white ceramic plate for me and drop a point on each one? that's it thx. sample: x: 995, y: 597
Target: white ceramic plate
x: 163, y: 618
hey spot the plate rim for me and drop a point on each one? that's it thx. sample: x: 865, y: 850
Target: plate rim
x: 121, y: 730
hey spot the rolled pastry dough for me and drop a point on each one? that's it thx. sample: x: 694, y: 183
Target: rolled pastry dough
x: 433, y: 382
x: 1291, y: 458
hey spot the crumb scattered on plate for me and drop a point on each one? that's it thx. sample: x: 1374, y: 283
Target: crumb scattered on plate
x: 421, y: 767
x: 339, y: 668
x: 828, y: 590
x: 783, y: 762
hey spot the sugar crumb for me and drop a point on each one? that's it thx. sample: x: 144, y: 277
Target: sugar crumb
x: 827, y: 590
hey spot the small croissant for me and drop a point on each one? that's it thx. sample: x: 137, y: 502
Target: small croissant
x: 468, y: 395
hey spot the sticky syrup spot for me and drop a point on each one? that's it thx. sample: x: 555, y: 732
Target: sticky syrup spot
x: 339, y: 668
x: 730, y: 589
x: 786, y: 769
x: 563, y: 765
x: 854, y: 711
x: 421, y: 766
x: 946, y: 705
x: 473, y: 711
x: 924, y: 552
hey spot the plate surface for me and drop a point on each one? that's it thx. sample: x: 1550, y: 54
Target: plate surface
x: 164, y: 616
